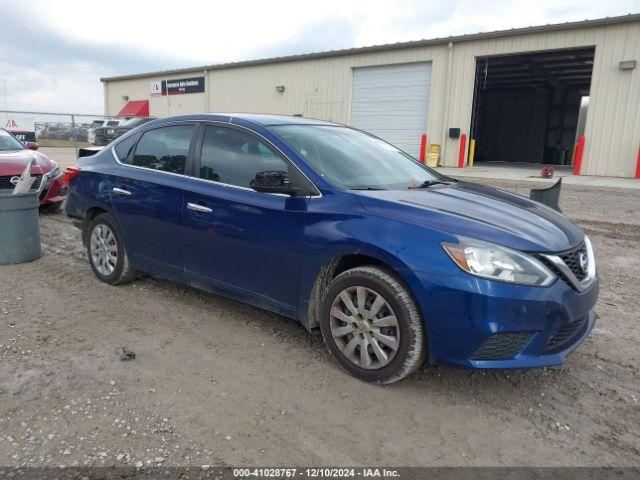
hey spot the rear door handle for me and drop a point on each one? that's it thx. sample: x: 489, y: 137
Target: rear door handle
x: 199, y: 208
x: 120, y: 191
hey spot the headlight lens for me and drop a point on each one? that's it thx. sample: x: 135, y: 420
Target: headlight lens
x: 54, y: 172
x: 110, y: 131
x: 488, y: 260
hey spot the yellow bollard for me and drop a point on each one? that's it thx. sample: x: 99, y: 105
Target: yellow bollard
x: 472, y: 151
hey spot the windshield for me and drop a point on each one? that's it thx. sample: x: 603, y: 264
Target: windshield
x: 9, y: 142
x: 355, y: 160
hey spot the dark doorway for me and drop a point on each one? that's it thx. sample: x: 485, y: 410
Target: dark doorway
x: 526, y: 107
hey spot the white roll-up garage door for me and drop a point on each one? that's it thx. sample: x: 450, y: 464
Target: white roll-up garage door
x: 392, y: 102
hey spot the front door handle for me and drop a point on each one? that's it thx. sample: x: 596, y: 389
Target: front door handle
x: 120, y: 191
x: 199, y: 208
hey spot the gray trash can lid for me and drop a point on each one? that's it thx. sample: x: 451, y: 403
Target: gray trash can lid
x: 22, y: 201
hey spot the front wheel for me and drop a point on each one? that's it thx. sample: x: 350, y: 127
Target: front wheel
x: 371, y: 325
x: 107, y: 254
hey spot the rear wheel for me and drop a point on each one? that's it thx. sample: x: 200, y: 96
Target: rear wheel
x: 107, y: 254
x: 371, y: 325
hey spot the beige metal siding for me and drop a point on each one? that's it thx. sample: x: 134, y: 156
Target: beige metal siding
x: 160, y: 106
x: 321, y: 88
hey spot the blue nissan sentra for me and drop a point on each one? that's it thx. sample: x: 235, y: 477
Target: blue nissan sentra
x: 393, y: 262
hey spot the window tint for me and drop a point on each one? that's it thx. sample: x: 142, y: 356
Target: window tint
x: 123, y: 149
x: 234, y: 157
x: 164, y: 149
x: 113, y: 123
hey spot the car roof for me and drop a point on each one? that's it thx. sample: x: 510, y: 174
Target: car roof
x: 263, y: 119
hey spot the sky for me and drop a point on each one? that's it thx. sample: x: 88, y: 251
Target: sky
x: 53, y: 54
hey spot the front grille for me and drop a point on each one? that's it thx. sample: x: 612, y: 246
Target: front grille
x: 501, y: 346
x: 572, y: 260
x: 5, y: 182
x: 565, y: 334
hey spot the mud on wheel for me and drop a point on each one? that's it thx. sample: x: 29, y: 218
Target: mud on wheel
x: 371, y: 325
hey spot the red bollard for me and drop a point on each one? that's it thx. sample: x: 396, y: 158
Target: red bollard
x: 423, y: 148
x: 463, y: 145
x: 638, y: 165
x: 577, y: 162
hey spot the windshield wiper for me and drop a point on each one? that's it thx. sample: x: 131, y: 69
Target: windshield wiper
x: 367, y: 188
x: 429, y: 183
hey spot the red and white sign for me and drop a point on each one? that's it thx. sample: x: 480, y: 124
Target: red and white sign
x: 155, y: 88
x: 22, y: 127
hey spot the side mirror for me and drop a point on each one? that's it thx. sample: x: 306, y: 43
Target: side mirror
x: 32, y: 145
x: 273, y: 181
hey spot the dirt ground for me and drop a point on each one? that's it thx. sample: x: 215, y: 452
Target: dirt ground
x: 219, y: 383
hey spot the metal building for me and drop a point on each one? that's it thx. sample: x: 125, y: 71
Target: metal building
x: 521, y: 94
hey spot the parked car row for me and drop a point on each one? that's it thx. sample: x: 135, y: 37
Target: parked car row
x: 112, y: 129
x: 99, y: 132
x: 63, y: 131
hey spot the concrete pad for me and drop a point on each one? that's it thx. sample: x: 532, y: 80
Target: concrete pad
x: 65, y: 156
x: 528, y: 172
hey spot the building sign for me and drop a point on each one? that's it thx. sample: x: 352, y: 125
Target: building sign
x: 23, y: 128
x: 155, y: 88
x: 178, y: 86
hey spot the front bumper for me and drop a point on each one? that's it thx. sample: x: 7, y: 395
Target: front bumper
x: 480, y: 323
x: 53, y: 191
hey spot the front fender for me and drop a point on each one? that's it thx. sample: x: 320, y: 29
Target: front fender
x: 317, y: 275
x: 406, y: 248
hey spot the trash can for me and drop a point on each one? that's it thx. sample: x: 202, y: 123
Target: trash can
x: 19, y: 227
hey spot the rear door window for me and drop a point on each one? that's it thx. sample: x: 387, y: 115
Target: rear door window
x: 165, y: 149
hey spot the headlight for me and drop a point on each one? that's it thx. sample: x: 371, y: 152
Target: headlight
x: 488, y: 260
x: 54, y: 172
x: 110, y: 131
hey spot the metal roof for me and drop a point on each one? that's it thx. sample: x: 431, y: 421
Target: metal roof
x: 632, y: 17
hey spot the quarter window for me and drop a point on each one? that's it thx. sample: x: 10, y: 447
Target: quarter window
x: 234, y: 157
x: 123, y: 149
x: 164, y: 149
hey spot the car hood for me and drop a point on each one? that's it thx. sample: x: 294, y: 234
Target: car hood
x: 14, y: 162
x: 480, y: 212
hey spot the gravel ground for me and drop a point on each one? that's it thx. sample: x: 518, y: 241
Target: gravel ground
x: 219, y: 383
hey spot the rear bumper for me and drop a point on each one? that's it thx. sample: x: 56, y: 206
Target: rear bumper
x: 479, y: 323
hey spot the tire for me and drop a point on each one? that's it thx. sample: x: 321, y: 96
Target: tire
x: 395, y: 323
x: 103, y: 236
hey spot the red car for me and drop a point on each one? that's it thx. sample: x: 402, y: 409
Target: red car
x: 15, y: 156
